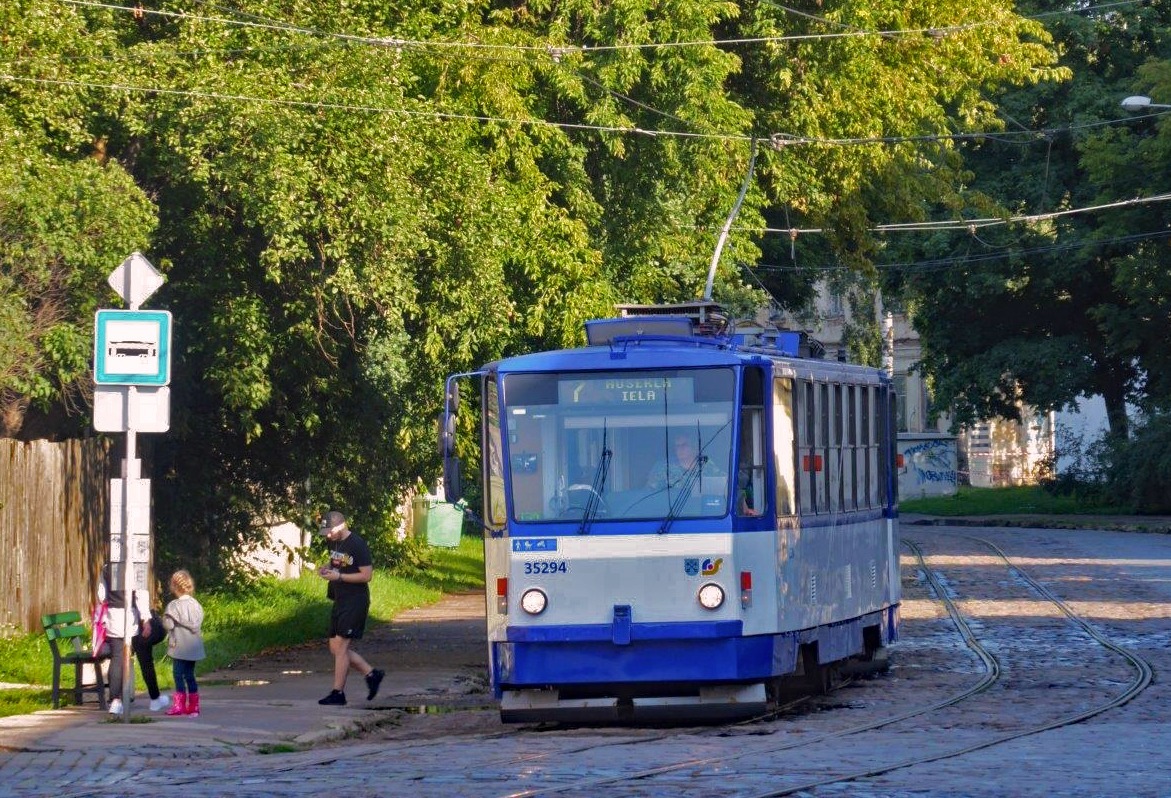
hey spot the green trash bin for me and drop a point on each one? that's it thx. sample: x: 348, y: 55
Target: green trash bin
x: 444, y: 524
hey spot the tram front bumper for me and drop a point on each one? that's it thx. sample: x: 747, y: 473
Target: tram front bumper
x: 714, y: 703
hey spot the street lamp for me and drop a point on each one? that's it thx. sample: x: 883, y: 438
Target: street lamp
x: 1140, y: 103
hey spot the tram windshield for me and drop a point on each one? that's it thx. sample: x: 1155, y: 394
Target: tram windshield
x: 602, y: 446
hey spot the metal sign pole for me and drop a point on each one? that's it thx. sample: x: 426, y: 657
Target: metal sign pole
x: 130, y: 476
x: 131, y: 348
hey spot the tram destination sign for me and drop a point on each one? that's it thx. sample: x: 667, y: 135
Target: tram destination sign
x: 632, y: 390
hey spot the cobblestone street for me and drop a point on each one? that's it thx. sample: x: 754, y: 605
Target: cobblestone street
x: 444, y: 738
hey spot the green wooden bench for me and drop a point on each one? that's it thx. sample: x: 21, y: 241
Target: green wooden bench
x: 69, y: 640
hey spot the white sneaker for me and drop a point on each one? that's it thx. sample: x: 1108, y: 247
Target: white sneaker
x: 116, y: 706
x: 162, y: 702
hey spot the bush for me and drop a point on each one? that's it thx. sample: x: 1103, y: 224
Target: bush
x: 1083, y: 475
x: 1139, y: 469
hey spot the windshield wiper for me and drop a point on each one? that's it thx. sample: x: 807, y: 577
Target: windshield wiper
x: 594, y: 502
x: 685, y: 485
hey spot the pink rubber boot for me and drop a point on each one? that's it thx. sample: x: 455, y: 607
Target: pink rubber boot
x: 179, y: 704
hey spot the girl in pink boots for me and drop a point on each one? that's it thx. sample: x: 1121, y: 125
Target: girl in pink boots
x: 183, y: 619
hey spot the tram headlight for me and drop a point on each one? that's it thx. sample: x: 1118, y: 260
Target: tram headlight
x: 533, y: 601
x: 711, y: 596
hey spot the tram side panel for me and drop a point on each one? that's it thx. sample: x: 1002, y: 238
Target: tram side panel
x: 757, y: 554
x: 834, y: 553
x: 833, y: 581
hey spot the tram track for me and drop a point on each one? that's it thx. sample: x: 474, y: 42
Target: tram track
x: 991, y: 674
x: 721, y: 765
x: 573, y: 762
x: 1143, y: 674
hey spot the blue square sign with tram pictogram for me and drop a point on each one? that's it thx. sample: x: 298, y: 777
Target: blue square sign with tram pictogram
x: 132, y: 347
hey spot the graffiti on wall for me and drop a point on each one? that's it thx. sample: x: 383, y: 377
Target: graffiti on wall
x: 929, y: 466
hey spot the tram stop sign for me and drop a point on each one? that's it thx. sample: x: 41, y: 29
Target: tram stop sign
x: 132, y: 347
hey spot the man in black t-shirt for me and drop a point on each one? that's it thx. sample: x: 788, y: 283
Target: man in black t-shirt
x: 348, y: 573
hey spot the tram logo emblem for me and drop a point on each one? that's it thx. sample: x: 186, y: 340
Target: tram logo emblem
x: 709, y: 567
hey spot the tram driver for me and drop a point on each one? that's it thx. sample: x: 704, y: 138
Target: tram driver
x: 668, y: 473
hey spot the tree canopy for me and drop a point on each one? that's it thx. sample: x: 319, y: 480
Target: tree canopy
x: 68, y: 214
x: 1070, y: 300
x: 352, y: 200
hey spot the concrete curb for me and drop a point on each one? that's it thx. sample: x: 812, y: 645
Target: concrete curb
x: 1154, y: 525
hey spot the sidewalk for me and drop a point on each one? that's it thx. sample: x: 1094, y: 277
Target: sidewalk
x: 433, y: 655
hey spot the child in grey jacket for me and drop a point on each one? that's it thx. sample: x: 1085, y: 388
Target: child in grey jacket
x: 183, y: 618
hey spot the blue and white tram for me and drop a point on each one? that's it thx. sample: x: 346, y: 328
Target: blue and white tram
x: 630, y: 578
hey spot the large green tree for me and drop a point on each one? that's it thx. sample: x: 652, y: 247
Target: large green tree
x: 342, y: 239
x: 68, y: 216
x: 357, y: 199
x: 1066, y: 304
x: 1133, y: 162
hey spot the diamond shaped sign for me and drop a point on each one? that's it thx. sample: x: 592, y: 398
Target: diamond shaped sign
x: 135, y: 280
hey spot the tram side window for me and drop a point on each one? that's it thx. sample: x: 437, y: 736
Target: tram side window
x: 784, y: 445
x: 493, y: 458
x: 750, y: 496
x: 823, y: 445
x: 866, y: 494
x: 851, y: 445
x: 876, y: 451
x: 837, y: 451
x: 885, y: 408
x: 807, y: 413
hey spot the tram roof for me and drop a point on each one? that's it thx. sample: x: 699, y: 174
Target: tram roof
x: 618, y: 356
x: 650, y: 353
x: 688, y: 335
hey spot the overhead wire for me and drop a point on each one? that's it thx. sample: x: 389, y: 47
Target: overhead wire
x: 777, y: 140
x: 556, y: 52
x: 970, y: 225
x: 967, y: 258
x: 330, y: 106
x: 940, y: 264
x: 922, y: 226
x: 263, y: 23
x: 584, y: 48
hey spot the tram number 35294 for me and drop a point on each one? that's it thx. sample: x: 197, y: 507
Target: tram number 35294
x: 547, y: 567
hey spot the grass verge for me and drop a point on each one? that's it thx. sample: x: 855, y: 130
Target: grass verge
x: 1022, y: 499
x: 271, y: 614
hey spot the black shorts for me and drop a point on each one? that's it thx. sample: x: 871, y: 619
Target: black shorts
x: 348, y: 619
